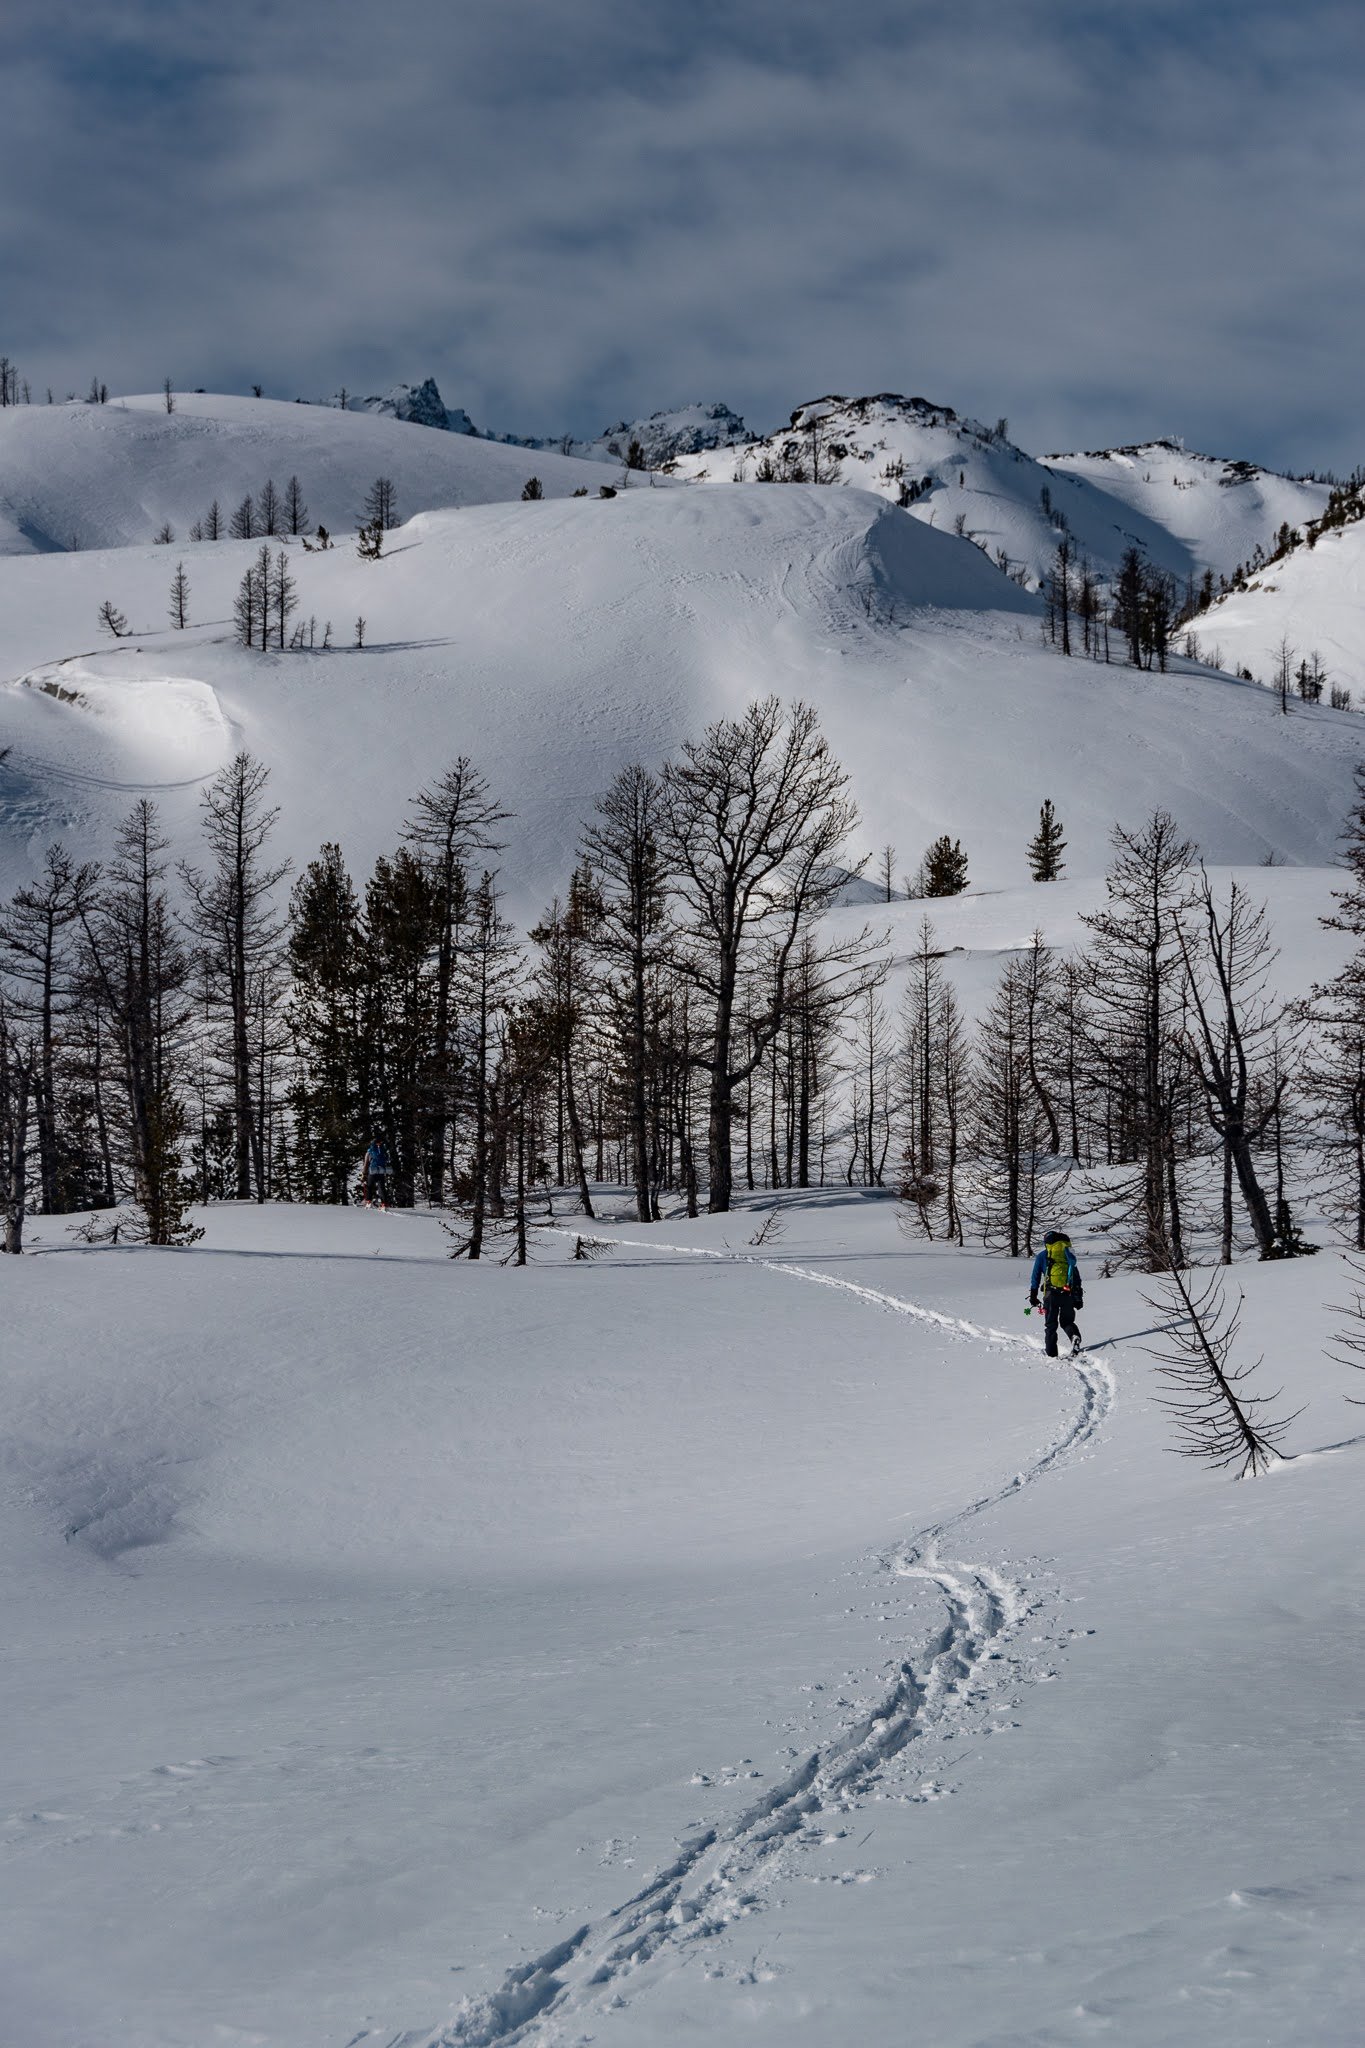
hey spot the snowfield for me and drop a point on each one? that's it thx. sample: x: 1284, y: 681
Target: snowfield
x: 408, y: 1652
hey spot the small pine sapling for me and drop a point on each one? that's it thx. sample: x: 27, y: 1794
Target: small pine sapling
x: 180, y: 598
x: 112, y: 619
x: 369, y: 541
x: 532, y: 489
x: 360, y: 632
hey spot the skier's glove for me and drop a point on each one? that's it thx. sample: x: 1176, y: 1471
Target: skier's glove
x: 1033, y: 1301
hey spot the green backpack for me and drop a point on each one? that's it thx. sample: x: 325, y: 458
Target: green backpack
x: 1058, y: 1264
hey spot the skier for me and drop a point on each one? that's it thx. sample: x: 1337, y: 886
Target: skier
x: 1055, y: 1267
x: 375, y: 1179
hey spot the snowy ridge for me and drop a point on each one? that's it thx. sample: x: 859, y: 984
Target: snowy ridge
x: 720, y: 1873
x: 79, y: 477
x: 961, y: 476
x: 1219, y: 510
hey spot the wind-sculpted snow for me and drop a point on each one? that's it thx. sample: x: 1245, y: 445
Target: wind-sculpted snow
x: 726, y: 1872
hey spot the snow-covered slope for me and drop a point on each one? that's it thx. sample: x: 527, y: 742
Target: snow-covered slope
x: 557, y: 642
x: 956, y: 475
x: 100, y: 476
x: 1313, y: 597
x: 1220, y: 511
x: 772, y: 1651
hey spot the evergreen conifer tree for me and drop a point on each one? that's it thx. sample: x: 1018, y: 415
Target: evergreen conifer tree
x: 945, y: 868
x: 1047, y: 846
x: 325, y: 956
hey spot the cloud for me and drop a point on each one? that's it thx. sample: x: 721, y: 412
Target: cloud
x: 1105, y: 221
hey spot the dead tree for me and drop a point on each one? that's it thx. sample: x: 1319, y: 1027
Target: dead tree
x: 239, y: 932
x: 1215, y: 1417
x: 37, y: 931
x: 1227, y: 955
x: 451, y: 820
x: 1007, y: 1126
x: 754, y: 817
x: 933, y: 1059
x: 490, y: 963
x: 561, y: 936
x: 138, y: 970
x: 1138, y: 1044
x: 1351, y: 1338
x: 18, y: 1062
x: 621, y: 847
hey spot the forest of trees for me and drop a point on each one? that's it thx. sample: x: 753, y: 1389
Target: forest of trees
x: 197, y: 1024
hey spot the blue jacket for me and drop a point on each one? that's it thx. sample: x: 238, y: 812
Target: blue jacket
x: 376, y: 1160
x: 1040, y: 1266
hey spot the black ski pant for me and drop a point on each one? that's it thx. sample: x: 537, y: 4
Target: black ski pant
x: 1057, y: 1308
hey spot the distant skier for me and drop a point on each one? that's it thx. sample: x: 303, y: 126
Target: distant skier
x: 1055, y: 1269
x: 375, y: 1179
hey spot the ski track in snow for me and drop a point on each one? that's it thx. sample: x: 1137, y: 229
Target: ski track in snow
x: 718, y: 1874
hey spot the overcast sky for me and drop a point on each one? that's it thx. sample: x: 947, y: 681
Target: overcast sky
x: 1106, y: 221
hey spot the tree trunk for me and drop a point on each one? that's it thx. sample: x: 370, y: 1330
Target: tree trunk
x: 575, y: 1138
